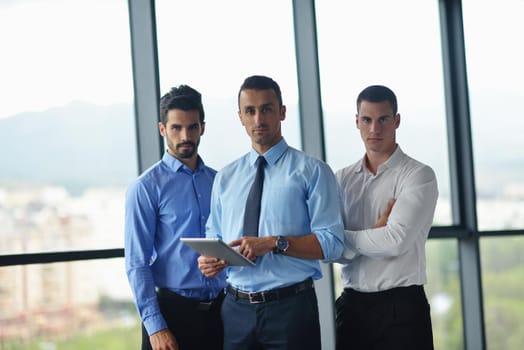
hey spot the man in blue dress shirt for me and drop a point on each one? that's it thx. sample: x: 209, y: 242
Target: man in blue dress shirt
x: 273, y: 304
x: 179, y: 307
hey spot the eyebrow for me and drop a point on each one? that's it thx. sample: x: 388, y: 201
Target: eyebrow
x: 267, y: 104
x: 381, y: 116
x: 189, y: 126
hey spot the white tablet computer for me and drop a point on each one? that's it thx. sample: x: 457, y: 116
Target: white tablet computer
x: 217, y: 248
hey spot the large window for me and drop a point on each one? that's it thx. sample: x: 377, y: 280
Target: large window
x: 78, y: 305
x: 397, y: 44
x: 502, y: 271
x: 217, y: 52
x: 494, y: 56
x: 495, y: 75
x: 67, y: 151
x: 383, y: 42
x: 66, y: 124
x: 443, y: 289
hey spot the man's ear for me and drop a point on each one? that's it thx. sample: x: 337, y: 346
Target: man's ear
x: 397, y: 121
x: 282, y: 112
x: 162, y: 129
x: 202, y: 128
x: 240, y: 117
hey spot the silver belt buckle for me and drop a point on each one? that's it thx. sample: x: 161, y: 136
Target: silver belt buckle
x: 253, y: 299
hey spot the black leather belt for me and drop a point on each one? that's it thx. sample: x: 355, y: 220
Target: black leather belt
x: 407, y: 292
x: 201, y: 305
x: 273, y: 294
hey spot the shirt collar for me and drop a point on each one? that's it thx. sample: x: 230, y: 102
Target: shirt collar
x: 272, y: 155
x: 395, y: 159
x: 392, y: 162
x: 174, y: 164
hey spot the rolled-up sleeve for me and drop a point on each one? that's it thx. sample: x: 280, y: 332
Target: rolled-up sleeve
x: 324, y: 211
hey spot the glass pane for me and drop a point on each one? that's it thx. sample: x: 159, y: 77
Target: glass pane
x: 66, y: 124
x: 382, y: 42
x: 403, y: 52
x: 502, y: 282
x: 444, y: 293
x: 79, y: 305
x: 495, y: 75
x: 217, y: 52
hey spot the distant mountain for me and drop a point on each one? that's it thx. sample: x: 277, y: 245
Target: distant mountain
x: 74, y: 146
x: 81, y: 145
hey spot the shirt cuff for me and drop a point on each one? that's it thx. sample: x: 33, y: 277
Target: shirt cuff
x: 350, y: 251
x: 154, y: 324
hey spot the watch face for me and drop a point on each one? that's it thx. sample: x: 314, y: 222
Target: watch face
x: 282, y: 243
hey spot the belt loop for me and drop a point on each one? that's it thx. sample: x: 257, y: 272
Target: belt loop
x: 235, y: 293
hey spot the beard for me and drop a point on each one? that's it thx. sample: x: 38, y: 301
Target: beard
x: 186, y: 152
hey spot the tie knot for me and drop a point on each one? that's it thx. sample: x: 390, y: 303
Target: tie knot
x: 261, y: 161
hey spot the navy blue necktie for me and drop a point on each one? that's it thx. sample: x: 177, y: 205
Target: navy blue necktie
x: 252, y: 212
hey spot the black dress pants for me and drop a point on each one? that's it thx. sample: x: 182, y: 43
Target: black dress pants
x: 290, y: 323
x: 398, y: 318
x: 195, y: 325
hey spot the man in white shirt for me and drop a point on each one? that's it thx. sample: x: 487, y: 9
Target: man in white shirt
x: 384, y: 305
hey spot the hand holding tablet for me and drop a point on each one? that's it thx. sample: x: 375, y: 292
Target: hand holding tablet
x: 217, y: 248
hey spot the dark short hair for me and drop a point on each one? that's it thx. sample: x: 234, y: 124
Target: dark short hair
x: 260, y: 82
x: 378, y: 93
x: 182, y: 97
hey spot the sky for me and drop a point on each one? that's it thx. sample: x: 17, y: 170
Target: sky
x: 53, y: 52
x: 58, y: 51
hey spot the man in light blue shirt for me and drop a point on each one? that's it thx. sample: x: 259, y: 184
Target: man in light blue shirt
x: 179, y: 307
x: 273, y: 304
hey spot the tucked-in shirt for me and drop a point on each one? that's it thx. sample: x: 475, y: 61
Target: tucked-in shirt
x: 394, y: 255
x: 167, y: 202
x: 299, y: 197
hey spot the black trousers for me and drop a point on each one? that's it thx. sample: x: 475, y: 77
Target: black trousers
x: 290, y: 323
x: 398, y: 318
x: 195, y: 325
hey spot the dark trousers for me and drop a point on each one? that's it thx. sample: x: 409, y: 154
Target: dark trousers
x: 398, y: 318
x: 290, y: 323
x: 195, y: 325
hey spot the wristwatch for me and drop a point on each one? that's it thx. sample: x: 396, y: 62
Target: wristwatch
x: 281, y: 245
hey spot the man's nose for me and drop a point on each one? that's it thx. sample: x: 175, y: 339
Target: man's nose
x: 184, y: 133
x: 257, y: 117
x: 375, y: 126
